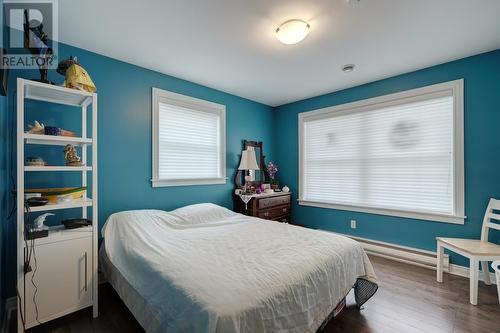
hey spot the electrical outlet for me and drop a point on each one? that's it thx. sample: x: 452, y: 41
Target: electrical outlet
x: 353, y: 224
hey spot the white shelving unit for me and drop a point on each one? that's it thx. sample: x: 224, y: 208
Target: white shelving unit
x: 64, y: 285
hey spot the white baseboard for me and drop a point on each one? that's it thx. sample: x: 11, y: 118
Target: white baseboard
x: 464, y: 271
x: 413, y: 256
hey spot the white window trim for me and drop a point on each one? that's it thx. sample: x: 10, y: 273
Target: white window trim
x: 188, y: 102
x: 457, y: 88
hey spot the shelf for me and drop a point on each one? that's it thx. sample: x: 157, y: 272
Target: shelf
x: 60, y: 234
x: 55, y: 94
x: 39, y: 139
x: 79, y: 203
x: 57, y: 168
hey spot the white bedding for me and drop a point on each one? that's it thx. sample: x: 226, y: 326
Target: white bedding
x: 206, y: 269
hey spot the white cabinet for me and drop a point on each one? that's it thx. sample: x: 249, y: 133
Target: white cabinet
x: 63, y: 275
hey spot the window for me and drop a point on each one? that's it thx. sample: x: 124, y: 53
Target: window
x: 189, y: 140
x: 400, y: 155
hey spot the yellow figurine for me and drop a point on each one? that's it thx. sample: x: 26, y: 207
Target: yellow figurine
x: 71, y: 157
x: 76, y: 77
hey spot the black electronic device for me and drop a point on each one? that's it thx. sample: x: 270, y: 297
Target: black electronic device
x: 34, y: 233
x: 37, y: 201
x: 76, y: 223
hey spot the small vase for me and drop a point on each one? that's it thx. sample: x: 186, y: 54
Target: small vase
x: 274, y: 186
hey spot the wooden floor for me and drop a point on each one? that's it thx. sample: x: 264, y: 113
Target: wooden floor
x: 409, y: 300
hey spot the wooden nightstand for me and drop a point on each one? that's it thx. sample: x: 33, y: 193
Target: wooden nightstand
x: 275, y: 206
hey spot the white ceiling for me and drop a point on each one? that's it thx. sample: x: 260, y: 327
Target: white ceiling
x: 230, y: 44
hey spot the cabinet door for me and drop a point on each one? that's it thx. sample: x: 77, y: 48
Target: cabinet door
x: 62, y: 277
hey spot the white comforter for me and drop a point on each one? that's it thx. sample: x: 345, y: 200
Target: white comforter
x: 206, y: 269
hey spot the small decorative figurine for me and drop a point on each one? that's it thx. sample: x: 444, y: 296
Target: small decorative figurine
x: 38, y: 229
x: 39, y: 128
x: 76, y: 77
x: 39, y: 222
x: 52, y: 130
x: 35, y: 161
x: 71, y: 157
x: 36, y: 128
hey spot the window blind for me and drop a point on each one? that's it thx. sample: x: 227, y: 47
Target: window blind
x: 398, y: 156
x: 189, y: 143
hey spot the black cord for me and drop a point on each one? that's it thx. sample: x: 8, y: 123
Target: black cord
x: 22, y: 304
x: 33, y: 282
x: 27, y: 225
x: 30, y: 248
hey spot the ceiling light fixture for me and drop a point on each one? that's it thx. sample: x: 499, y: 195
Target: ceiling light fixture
x: 292, y: 31
x: 348, y: 68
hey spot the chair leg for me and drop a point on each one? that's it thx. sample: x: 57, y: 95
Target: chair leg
x: 474, y: 276
x: 440, y: 255
x: 498, y: 289
x: 486, y: 272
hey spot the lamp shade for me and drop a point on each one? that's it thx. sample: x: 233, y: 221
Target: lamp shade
x: 248, y: 160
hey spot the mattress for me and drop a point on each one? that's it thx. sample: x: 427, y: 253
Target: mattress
x: 203, y: 268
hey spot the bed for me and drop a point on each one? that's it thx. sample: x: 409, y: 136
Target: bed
x: 204, y: 268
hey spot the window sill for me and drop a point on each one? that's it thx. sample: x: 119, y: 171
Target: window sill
x: 390, y: 212
x: 187, y: 182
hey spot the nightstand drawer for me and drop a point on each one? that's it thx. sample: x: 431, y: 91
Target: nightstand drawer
x: 273, y: 202
x: 273, y: 212
x: 284, y: 219
x: 276, y: 206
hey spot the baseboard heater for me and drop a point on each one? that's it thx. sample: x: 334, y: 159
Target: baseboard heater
x: 413, y: 256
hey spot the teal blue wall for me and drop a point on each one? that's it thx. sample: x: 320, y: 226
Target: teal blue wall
x: 125, y: 146
x: 482, y: 153
x: 3, y: 195
x: 124, y: 134
x: 3, y: 184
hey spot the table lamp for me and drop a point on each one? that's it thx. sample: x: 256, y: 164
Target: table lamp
x: 248, y: 163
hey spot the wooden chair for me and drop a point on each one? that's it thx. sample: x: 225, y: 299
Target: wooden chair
x: 476, y: 250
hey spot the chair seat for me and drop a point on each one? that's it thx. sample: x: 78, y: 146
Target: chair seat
x: 472, y: 246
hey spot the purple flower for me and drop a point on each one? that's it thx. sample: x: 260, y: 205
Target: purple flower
x: 273, y: 169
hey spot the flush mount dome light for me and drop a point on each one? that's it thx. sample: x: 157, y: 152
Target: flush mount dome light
x: 292, y: 31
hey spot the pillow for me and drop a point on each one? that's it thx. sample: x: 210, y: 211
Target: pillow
x: 203, y: 213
